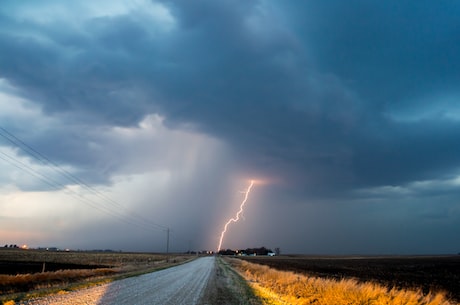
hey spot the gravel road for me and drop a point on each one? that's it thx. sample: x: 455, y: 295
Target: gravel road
x: 183, y: 284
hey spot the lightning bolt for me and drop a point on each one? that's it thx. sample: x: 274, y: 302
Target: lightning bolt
x: 237, y: 216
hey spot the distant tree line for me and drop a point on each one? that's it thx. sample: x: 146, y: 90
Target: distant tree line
x: 248, y: 251
x: 11, y: 246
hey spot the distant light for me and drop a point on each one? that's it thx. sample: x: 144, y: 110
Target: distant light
x: 24, y: 247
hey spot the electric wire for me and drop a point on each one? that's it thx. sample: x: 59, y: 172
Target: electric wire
x: 129, y: 217
x: 72, y: 178
x: 59, y: 186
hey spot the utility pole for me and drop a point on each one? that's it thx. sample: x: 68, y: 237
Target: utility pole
x: 167, y: 241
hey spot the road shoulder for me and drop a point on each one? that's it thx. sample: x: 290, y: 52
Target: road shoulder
x: 226, y: 287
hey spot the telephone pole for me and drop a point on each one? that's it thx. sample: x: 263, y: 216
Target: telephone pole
x: 167, y: 241
x: 167, y: 245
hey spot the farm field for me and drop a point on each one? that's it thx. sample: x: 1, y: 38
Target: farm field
x: 89, y: 259
x: 25, y: 271
x: 428, y: 273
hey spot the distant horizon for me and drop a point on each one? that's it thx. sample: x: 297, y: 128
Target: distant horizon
x: 202, y: 251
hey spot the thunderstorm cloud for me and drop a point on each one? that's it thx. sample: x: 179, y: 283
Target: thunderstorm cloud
x: 121, y: 119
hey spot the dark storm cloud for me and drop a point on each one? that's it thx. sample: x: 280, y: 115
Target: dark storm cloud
x: 391, y: 54
x: 90, y: 68
x: 331, y: 100
x: 395, y: 47
x: 326, y: 119
x: 306, y: 95
x: 315, y: 95
x: 401, y: 152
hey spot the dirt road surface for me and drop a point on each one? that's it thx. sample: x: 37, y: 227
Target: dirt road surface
x: 183, y: 284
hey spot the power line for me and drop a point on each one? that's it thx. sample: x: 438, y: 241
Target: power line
x: 69, y: 176
x: 134, y: 219
x: 18, y: 164
x: 58, y: 186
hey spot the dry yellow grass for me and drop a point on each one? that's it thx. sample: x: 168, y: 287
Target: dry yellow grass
x: 283, y: 287
x: 23, y: 286
x: 20, y: 282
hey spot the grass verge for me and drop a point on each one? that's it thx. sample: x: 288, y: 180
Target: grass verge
x: 284, y: 287
x: 232, y: 288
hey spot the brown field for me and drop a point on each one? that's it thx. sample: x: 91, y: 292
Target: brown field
x: 21, y: 271
x: 79, y: 257
x: 425, y: 273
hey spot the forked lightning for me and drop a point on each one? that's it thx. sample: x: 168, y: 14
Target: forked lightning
x: 237, y: 216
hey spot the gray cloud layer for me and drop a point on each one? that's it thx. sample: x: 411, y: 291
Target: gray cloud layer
x: 326, y: 98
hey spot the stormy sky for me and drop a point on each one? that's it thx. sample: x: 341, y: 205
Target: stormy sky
x: 120, y: 119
